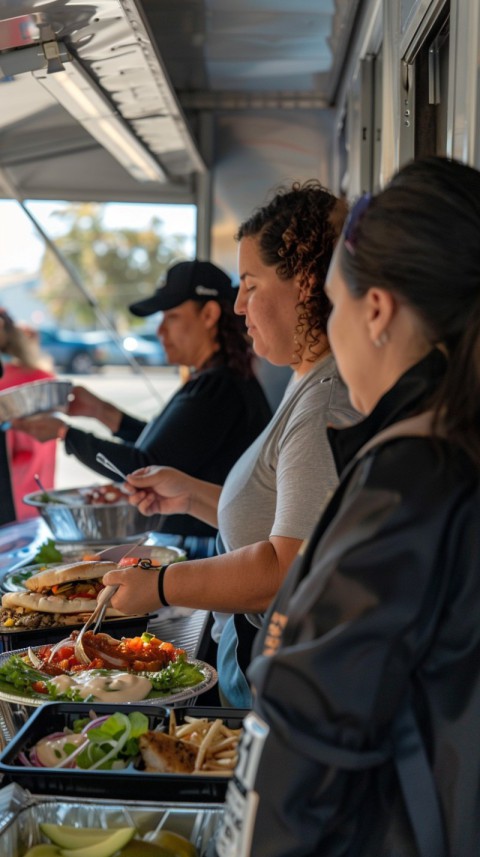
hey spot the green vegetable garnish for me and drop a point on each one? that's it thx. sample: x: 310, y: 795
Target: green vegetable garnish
x: 115, y: 738
x: 146, y: 637
x: 45, y: 497
x: 78, y: 725
x: 71, y: 693
x: 20, y: 577
x: 178, y: 674
x: 47, y: 553
x: 19, y: 674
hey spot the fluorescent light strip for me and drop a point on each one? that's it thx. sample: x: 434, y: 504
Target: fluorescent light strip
x: 82, y: 98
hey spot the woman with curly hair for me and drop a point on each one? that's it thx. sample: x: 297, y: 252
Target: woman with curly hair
x: 211, y: 419
x: 274, y: 493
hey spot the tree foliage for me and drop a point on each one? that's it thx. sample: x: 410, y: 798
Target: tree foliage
x: 116, y: 266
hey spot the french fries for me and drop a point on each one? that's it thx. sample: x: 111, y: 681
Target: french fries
x: 217, y: 743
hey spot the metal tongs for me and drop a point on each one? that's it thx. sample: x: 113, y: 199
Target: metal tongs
x: 95, y: 619
x: 105, y: 462
x: 98, y: 614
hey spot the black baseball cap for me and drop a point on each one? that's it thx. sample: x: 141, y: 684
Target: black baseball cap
x: 187, y: 281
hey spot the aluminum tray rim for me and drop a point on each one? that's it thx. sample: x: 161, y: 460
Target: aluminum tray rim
x: 210, y: 680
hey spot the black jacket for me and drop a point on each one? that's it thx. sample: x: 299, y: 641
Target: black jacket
x: 202, y: 430
x: 378, y: 617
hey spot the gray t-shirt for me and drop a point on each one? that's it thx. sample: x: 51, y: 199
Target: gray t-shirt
x: 282, y: 482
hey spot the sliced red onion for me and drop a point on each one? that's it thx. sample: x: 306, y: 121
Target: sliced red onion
x: 53, y: 735
x: 109, y: 660
x: 67, y: 762
x: 57, y: 646
x: 118, y: 745
x: 95, y: 722
x: 34, y: 660
x: 34, y: 760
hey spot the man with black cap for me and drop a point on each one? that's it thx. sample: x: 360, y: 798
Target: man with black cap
x: 210, y: 421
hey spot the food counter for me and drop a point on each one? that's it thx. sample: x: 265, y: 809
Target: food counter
x: 186, y: 629
x: 28, y: 807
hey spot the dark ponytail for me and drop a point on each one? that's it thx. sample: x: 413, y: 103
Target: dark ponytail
x: 235, y: 349
x: 420, y: 239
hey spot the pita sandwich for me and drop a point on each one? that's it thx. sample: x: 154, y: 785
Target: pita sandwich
x: 62, y: 595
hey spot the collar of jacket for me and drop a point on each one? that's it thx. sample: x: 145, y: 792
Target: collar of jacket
x: 410, y: 395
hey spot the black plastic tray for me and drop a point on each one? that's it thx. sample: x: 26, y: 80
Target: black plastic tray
x: 21, y: 638
x: 124, y: 784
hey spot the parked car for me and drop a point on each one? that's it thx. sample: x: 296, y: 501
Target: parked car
x: 76, y: 352
x: 147, y: 352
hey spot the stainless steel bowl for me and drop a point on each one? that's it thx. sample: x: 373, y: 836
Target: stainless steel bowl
x: 33, y: 398
x: 72, y: 520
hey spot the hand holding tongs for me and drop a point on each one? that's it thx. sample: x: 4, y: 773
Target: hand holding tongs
x: 95, y: 617
x: 105, y: 462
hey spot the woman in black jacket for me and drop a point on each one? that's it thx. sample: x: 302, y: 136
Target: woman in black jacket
x: 365, y: 736
x: 209, y: 422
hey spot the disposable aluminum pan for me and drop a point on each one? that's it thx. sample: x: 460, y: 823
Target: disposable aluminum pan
x: 72, y: 520
x: 21, y: 815
x: 33, y: 398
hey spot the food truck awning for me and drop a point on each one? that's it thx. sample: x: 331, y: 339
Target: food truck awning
x: 113, y: 99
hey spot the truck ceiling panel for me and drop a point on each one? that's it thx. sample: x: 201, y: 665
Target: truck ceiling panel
x: 108, y: 39
x: 152, y: 58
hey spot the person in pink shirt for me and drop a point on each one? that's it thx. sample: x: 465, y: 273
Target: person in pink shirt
x: 24, y: 363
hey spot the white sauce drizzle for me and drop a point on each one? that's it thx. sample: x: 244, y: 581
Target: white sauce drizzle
x: 50, y: 750
x: 117, y: 687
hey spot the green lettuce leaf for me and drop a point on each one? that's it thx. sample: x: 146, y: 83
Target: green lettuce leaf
x: 47, y: 553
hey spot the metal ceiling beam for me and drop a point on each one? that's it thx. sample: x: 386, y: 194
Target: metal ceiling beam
x: 138, y: 23
x: 252, y: 101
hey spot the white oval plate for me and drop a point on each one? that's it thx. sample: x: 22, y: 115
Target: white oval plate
x: 36, y: 699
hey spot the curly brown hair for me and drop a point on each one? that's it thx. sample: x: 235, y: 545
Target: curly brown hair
x: 296, y: 232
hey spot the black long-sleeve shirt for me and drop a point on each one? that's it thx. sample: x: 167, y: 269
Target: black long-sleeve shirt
x: 202, y: 431
x: 7, y: 508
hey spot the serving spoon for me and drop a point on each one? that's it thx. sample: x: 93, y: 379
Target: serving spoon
x: 40, y: 483
x: 47, y: 493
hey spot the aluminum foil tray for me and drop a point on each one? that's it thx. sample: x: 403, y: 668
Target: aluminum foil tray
x: 21, y: 814
x: 33, y: 398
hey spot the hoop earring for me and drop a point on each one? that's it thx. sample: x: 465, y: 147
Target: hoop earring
x: 382, y: 339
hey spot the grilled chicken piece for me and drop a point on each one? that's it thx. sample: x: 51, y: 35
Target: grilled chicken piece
x: 161, y: 752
